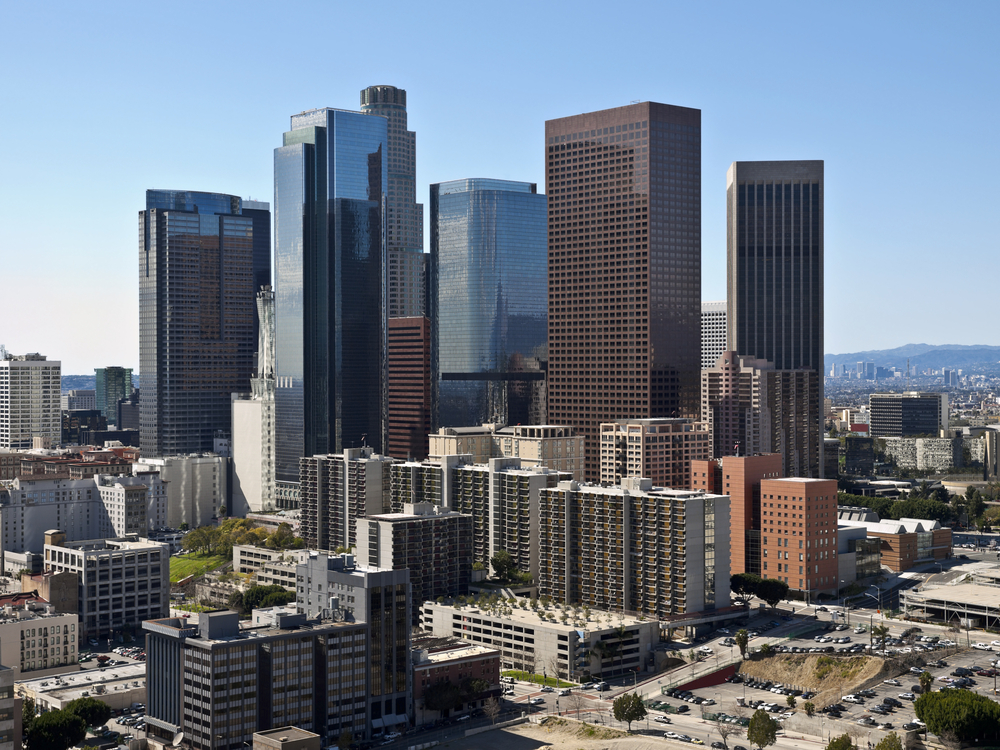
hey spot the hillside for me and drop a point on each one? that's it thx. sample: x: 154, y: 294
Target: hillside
x: 830, y: 677
x: 921, y: 356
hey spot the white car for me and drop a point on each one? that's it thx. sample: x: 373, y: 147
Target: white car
x: 908, y: 696
x: 662, y: 719
x: 982, y: 646
x: 995, y: 643
x: 564, y: 691
x: 536, y: 700
x: 894, y: 683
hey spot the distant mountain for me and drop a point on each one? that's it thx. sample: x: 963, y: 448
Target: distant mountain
x: 78, y: 383
x: 921, y: 356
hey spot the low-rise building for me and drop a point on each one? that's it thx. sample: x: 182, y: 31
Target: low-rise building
x: 286, y: 738
x: 118, y: 687
x: 10, y: 712
x: 58, y: 589
x: 451, y: 660
x: 586, y: 644
x: 905, y: 543
x: 34, y: 638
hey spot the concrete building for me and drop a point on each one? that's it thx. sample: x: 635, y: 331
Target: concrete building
x: 253, y: 448
x: 249, y: 558
x: 121, y: 581
x: 339, y: 489
x: 197, y: 486
x: 740, y: 478
x: 775, y: 278
x: 624, y: 267
x: 908, y: 414
x: 409, y: 387
x: 658, y: 449
x: 529, y: 641
x: 61, y: 590
x: 196, y: 322
x: 314, y: 675
x: 799, y: 533
x: 286, y: 738
x: 408, y: 281
x: 437, y: 659
x: 634, y: 548
x: 432, y: 542
x: 557, y: 447
x: 30, y: 388
x: 751, y: 408
x: 713, y: 332
x: 10, y: 712
x: 78, y: 399
x: 10, y: 464
x: 35, y: 640
x: 118, y: 687
x: 903, y: 544
x: 924, y: 454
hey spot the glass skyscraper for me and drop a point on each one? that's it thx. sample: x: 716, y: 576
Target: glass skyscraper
x: 330, y: 285
x: 488, y: 305
x: 196, y: 313
x: 112, y: 384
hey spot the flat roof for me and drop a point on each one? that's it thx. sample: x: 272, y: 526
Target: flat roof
x: 286, y: 734
x: 529, y: 617
x: 961, y: 595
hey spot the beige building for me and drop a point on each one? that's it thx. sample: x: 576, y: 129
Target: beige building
x: 10, y: 712
x: 119, y: 687
x: 35, y: 640
x: 550, y: 639
x: 286, y: 738
x: 657, y: 449
x: 30, y: 388
x: 554, y: 446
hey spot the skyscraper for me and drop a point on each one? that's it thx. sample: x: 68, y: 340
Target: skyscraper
x: 775, y: 265
x: 259, y: 212
x: 713, y: 332
x: 409, y: 387
x: 195, y: 317
x: 330, y: 263
x: 112, y: 384
x: 624, y: 189
x: 404, y: 216
x: 487, y: 303
x: 29, y: 400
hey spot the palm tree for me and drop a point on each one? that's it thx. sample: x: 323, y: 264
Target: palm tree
x: 601, y: 650
x: 742, y: 640
x: 620, y: 633
x: 880, y: 632
x: 926, y: 680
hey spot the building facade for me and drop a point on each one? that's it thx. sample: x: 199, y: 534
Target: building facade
x: 35, y: 639
x: 775, y: 267
x: 454, y: 661
x: 908, y: 414
x: 487, y: 302
x: 30, y: 396
x: 197, y: 486
x: 112, y: 385
x: 78, y: 399
x: 409, y: 387
x: 658, y: 449
x: 624, y: 188
x: 557, y: 447
x: 407, y: 282
x: 259, y: 213
x: 330, y: 280
x: 713, y: 332
x: 195, y: 318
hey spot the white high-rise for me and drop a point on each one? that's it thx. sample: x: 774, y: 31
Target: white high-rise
x: 713, y: 332
x: 30, y: 388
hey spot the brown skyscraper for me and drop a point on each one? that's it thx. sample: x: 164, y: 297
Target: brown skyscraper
x: 624, y: 189
x: 409, y: 387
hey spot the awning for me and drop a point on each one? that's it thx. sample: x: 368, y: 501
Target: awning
x: 377, y: 723
x: 394, y: 719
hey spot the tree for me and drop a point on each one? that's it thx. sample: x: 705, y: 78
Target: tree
x: 809, y: 707
x: 890, y: 742
x: 503, y: 565
x: 843, y: 742
x: 790, y: 700
x: 27, y: 713
x: 56, y: 730
x: 762, y: 730
x: 880, y: 633
x: 772, y: 591
x: 346, y: 739
x: 742, y: 641
x: 235, y: 601
x: 443, y: 695
x: 577, y: 702
x: 492, y: 709
x: 743, y: 587
x: 260, y: 596
x: 93, y: 712
x: 958, y: 713
x: 766, y: 649
x: 726, y: 730
x: 926, y: 681
x: 628, y: 707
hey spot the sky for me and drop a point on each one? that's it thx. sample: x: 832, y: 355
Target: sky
x: 101, y: 101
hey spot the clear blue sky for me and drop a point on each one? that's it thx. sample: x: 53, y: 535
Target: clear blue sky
x: 104, y: 100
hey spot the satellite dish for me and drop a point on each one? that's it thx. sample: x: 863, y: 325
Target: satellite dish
x: 178, y: 739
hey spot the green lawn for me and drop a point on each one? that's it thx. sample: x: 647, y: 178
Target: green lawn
x: 195, y: 565
x: 536, y: 678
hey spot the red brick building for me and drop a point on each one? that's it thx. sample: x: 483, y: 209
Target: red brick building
x: 437, y: 659
x: 409, y: 387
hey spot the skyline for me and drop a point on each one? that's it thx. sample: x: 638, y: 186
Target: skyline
x: 898, y: 101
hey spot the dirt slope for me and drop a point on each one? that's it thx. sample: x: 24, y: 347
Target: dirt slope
x: 829, y: 677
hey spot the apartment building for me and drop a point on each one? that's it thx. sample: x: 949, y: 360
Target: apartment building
x: 10, y: 712
x: 575, y: 643
x: 10, y: 464
x: 121, y: 581
x: 219, y: 685
x: 799, y: 533
x: 557, y: 447
x: 634, y: 548
x: 432, y: 542
x: 35, y: 640
x: 658, y: 449
x: 30, y: 388
x: 337, y: 490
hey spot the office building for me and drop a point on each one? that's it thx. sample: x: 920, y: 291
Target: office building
x: 330, y: 282
x: 286, y: 738
x: 128, y: 412
x: 35, y: 640
x: 259, y: 213
x: 78, y: 399
x: 195, y: 318
x: 336, y: 491
x: 455, y: 661
x: 380, y: 598
x: 753, y: 408
x: 739, y: 477
x: 407, y: 282
x: 78, y: 421
x: 634, y: 548
x: 775, y: 268
x: 404, y: 216
x: 122, y: 581
x: 409, y: 387
x: 432, y: 542
x: 713, y: 332
x: 908, y: 414
x: 30, y: 389
x: 253, y: 445
x: 658, y: 449
x: 197, y: 486
x: 112, y: 385
x: 799, y: 533
x: 557, y: 447
x: 487, y: 302
x: 624, y: 189
x: 310, y: 674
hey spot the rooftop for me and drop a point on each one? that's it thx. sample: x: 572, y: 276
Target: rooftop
x: 596, y: 623
x: 71, y: 685
x: 285, y: 734
x: 959, y: 595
